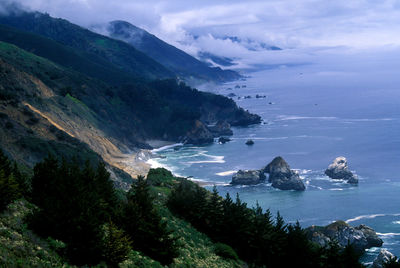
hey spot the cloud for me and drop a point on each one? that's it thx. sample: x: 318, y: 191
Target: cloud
x: 301, y: 27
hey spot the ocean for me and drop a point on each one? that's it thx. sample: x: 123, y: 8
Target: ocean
x: 312, y: 113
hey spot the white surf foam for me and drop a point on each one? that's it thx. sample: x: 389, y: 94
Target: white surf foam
x: 226, y: 173
x: 388, y: 234
x: 214, y: 159
x: 166, y: 147
x: 294, y: 117
x: 370, y: 216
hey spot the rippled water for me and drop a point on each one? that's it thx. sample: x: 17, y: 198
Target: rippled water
x: 311, y: 117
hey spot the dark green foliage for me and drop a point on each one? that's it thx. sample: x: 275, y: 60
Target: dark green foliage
x: 252, y: 233
x: 225, y: 251
x: 116, y: 245
x: 142, y: 222
x: 160, y: 177
x: 9, y: 125
x: 9, y: 187
x: 72, y: 206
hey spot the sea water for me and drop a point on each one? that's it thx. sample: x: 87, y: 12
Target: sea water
x: 311, y: 115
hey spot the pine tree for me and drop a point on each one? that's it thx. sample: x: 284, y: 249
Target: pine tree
x: 142, y: 222
x: 9, y: 189
x: 116, y: 245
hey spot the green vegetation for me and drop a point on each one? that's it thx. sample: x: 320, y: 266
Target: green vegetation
x: 252, y: 233
x: 81, y: 219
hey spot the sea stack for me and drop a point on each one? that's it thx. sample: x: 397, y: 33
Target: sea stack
x: 282, y: 177
x: 248, y: 177
x: 339, y: 170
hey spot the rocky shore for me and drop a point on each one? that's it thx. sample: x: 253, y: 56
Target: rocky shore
x: 361, y: 237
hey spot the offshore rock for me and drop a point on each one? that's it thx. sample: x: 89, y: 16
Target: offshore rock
x: 361, y: 237
x: 383, y: 257
x: 282, y: 177
x: 248, y: 177
x: 339, y: 170
x: 223, y: 140
x: 249, y: 142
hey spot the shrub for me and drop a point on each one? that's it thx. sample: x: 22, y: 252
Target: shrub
x: 225, y: 251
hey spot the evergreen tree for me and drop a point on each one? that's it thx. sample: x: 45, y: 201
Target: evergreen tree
x: 70, y: 207
x: 116, y: 245
x: 142, y: 222
x: 9, y: 187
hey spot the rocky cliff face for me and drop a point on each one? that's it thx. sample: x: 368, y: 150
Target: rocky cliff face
x: 361, y: 237
x: 198, y: 135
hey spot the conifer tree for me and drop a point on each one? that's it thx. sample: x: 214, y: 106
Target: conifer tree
x: 9, y: 187
x: 116, y: 245
x: 142, y: 222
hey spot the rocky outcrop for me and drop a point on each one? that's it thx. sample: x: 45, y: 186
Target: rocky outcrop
x: 339, y: 170
x: 199, y: 135
x: 248, y: 177
x: 223, y: 140
x: 221, y: 128
x: 249, y: 142
x: 361, y: 237
x: 282, y: 177
x: 244, y: 118
x: 373, y: 239
x: 383, y: 257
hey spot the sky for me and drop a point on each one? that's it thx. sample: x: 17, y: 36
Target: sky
x: 304, y: 29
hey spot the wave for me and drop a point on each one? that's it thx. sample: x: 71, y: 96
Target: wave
x: 368, y: 119
x: 166, y: 147
x: 214, y: 159
x: 336, y: 189
x: 396, y: 222
x: 370, y: 216
x: 226, y: 173
x: 294, y: 117
x: 388, y: 234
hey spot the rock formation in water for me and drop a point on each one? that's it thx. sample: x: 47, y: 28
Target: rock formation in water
x: 282, y: 177
x: 383, y: 257
x: 361, y: 237
x: 249, y: 142
x: 248, y: 177
x: 223, y: 140
x: 339, y: 170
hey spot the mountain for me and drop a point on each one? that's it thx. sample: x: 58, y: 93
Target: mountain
x: 184, y: 65
x: 99, y: 49
x: 47, y: 107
